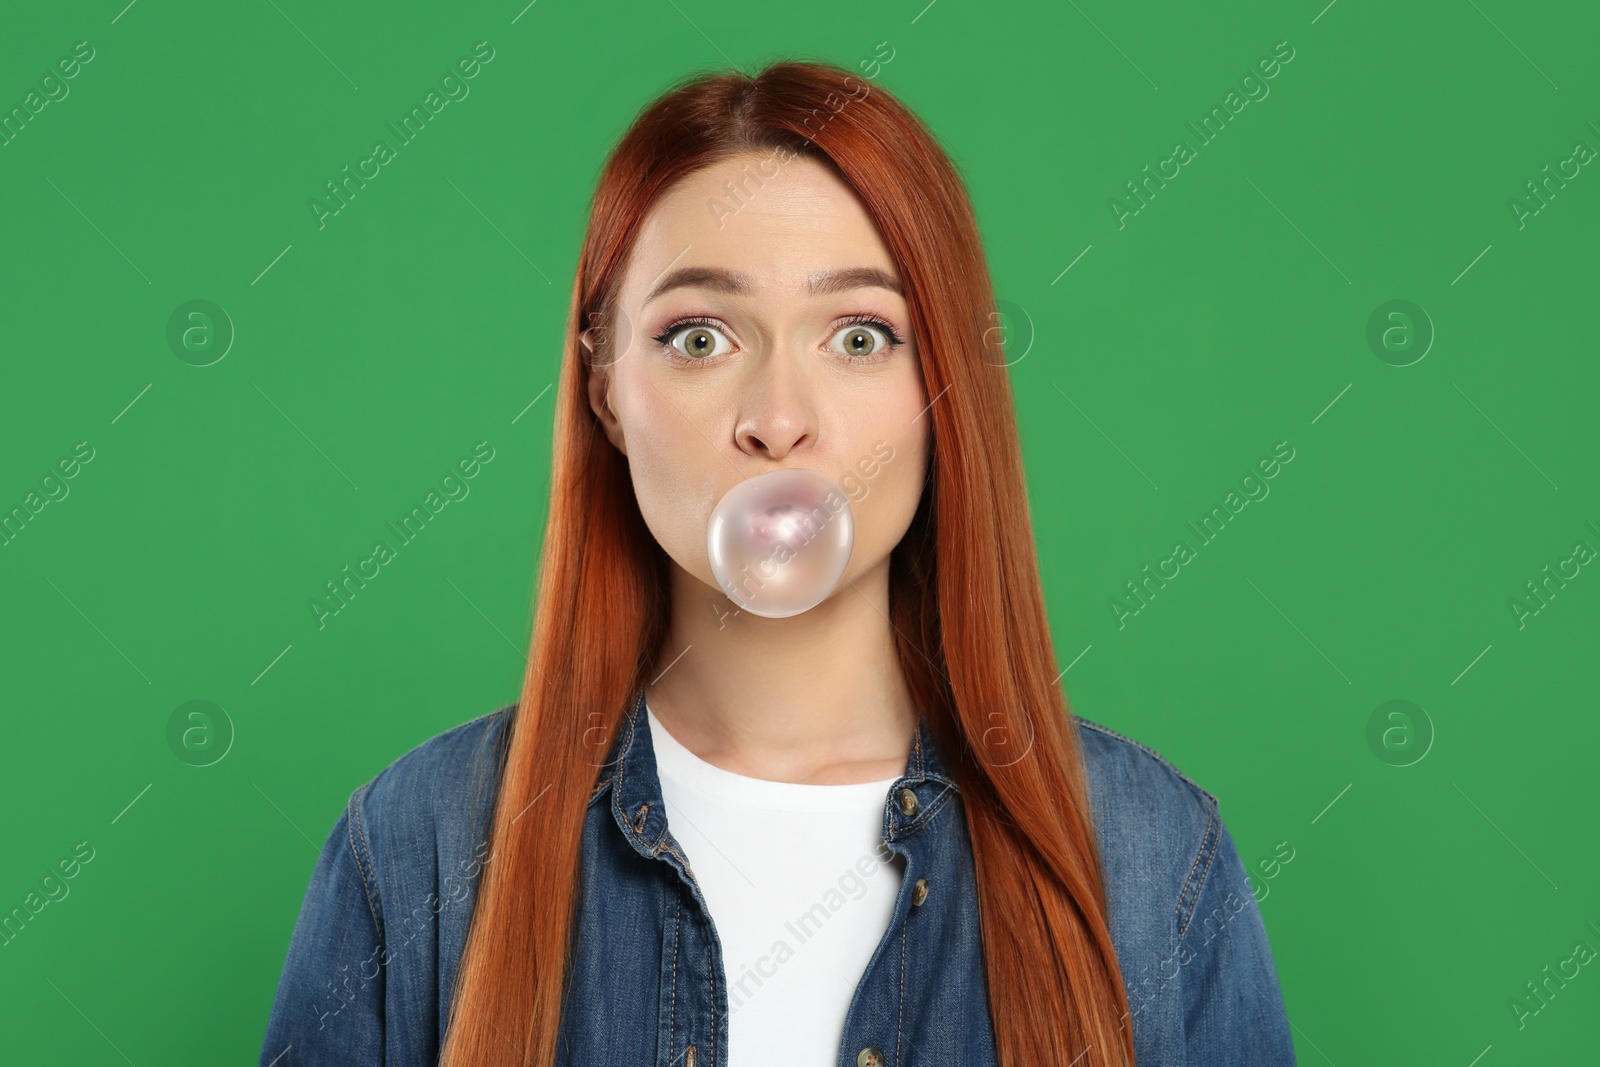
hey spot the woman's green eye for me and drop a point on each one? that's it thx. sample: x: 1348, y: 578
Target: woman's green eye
x: 860, y: 342
x: 696, y: 342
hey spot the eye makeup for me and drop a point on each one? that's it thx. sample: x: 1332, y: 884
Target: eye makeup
x: 664, y: 339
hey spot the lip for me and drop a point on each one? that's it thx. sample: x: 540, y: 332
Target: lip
x: 775, y: 524
x: 801, y: 497
x: 779, y: 510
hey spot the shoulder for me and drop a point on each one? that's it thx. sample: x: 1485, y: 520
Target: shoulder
x: 1191, y: 944
x: 389, y: 902
x: 1123, y: 762
x: 443, y: 787
x: 1154, y: 823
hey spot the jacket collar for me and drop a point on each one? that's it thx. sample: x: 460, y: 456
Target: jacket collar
x: 913, y: 800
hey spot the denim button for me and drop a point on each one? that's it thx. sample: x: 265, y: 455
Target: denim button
x: 919, y: 892
x: 869, y: 1057
x: 908, y: 801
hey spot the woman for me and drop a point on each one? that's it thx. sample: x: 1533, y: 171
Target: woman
x: 870, y: 832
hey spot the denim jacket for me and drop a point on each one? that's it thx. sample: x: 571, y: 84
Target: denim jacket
x: 376, y: 950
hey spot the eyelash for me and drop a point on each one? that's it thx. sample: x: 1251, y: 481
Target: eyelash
x: 664, y: 338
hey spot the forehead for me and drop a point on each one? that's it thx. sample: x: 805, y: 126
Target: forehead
x: 778, y: 224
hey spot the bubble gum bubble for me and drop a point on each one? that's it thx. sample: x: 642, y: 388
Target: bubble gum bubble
x: 779, y: 542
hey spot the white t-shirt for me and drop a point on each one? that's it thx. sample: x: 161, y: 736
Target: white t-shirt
x: 800, y: 889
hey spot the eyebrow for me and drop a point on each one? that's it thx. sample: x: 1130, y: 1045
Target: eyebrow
x: 720, y: 280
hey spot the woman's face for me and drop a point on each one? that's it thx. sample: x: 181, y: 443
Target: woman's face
x: 764, y: 332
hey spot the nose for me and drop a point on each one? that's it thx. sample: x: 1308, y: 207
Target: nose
x: 777, y: 414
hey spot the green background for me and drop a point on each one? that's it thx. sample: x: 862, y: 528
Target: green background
x: 1229, y: 314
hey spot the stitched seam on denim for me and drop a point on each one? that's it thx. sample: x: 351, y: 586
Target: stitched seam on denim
x: 1208, y: 851
x: 616, y: 793
x: 927, y: 815
x: 359, y: 846
x: 1184, y: 896
x: 949, y: 783
x: 900, y: 1023
x: 488, y: 715
x: 1147, y: 749
x: 1200, y: 886
x: 703, y: 917
x: 672, y: 1012
x: 462, y: 727
x: 663, y: 846
x: 711, y: 999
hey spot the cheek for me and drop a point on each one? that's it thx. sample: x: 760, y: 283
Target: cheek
x: 674, y: 474
x: 903, y: 476
x: 885, y: 501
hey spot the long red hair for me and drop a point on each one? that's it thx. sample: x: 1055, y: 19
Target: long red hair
x: 982, y: 673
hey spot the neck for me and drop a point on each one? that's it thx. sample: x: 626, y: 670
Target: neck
x: 817, y: 698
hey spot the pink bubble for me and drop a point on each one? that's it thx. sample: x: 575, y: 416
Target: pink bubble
x: 779, y: 542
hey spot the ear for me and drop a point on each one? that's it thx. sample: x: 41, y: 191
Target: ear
x: 600, y: 402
